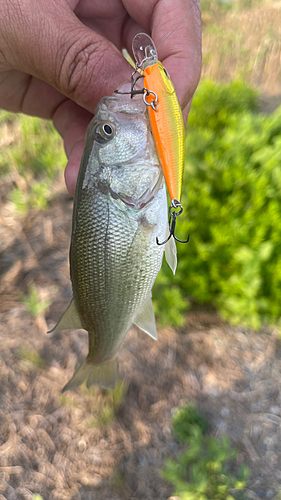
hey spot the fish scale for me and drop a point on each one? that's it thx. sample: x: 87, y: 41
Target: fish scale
x: 107, y: 271
x: 119, y: 210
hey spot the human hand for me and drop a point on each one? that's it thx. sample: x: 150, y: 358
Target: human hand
x: 58, y: 58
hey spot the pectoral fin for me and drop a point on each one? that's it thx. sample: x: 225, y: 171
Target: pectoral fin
x: 70, y: 319
x: 103, y: 375
x: 171, y: 254
x: 145, y: 320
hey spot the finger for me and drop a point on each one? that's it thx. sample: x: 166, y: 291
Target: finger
x: 78, y: 62
x: 181, y: 52
x: 71, y: 121
x: 186, y: 112
x: 107, y: 20
x: 22, y: 93
x: 72, y: 167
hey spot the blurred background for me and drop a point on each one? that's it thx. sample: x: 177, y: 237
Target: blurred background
x: 196, y: 415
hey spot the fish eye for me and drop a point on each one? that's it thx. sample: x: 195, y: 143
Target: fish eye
x: 104, y: 132
x: 107, y: 129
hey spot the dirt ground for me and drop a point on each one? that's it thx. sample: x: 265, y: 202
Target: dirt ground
x: 48, y: 442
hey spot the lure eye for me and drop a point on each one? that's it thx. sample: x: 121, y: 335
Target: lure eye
x: 104, y: 132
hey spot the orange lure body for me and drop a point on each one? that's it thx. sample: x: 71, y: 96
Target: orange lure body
x: 167, y: 127
x: 165, y: 113
x: 165, y: 118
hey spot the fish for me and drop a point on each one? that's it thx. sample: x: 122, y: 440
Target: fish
x: 119, y: 209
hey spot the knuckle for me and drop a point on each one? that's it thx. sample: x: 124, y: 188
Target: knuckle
x: 5, y: 62
x: 2, y: 60
x: 79, y: 66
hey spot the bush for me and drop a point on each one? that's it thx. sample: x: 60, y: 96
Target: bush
x: 202, y: 470
x: 185, y: 420
x: 232, y: 208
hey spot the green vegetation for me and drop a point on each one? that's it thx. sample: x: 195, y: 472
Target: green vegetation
x: 102, y: 405
x: 105, y: 404
x: 34, y: 305
x: 169, y: 305
x: 232, y: 205
x: 69, y: 399
x: 37, y: 196
x: 116, y: 397
x: 32, y: 357
x: 119, y: 484
x: 104, y: 416
x: 202, y: 470
x: 33, y: 154
x: 185, y: 420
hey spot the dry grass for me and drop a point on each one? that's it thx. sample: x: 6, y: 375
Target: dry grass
x: 246, y: 45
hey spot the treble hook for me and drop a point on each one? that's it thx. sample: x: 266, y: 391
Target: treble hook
x: 144, y: 91
x: 133, y: 91
x: 172, y: 225
x: 135, y: 80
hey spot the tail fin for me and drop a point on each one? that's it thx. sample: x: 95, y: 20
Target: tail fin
x: 103, y: 375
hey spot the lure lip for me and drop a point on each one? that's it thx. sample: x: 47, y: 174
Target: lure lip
x: 144, y: 51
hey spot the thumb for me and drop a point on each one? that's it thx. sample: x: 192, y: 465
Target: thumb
x: 45, y: 39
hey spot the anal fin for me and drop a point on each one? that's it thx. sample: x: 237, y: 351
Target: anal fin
x: 70, y: 319
x: 145, y: 320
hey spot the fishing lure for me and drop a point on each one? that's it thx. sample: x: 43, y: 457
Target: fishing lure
x: 165, y: 117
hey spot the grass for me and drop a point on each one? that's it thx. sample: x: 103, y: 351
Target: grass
x: 33, y: 304
x: 31, y: 153
x: 32, y: 357
x: 37, y: 196
x: 241, y: 39
x: 204, y: 470
x: 222, y: 6
x: 105, y: 404
x: 119, y: 484
x: 103, y: 417
x: 69, y: 400
x: 102, y: 405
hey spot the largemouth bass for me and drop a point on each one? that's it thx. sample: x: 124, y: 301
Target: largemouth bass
x: 119, y: 209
